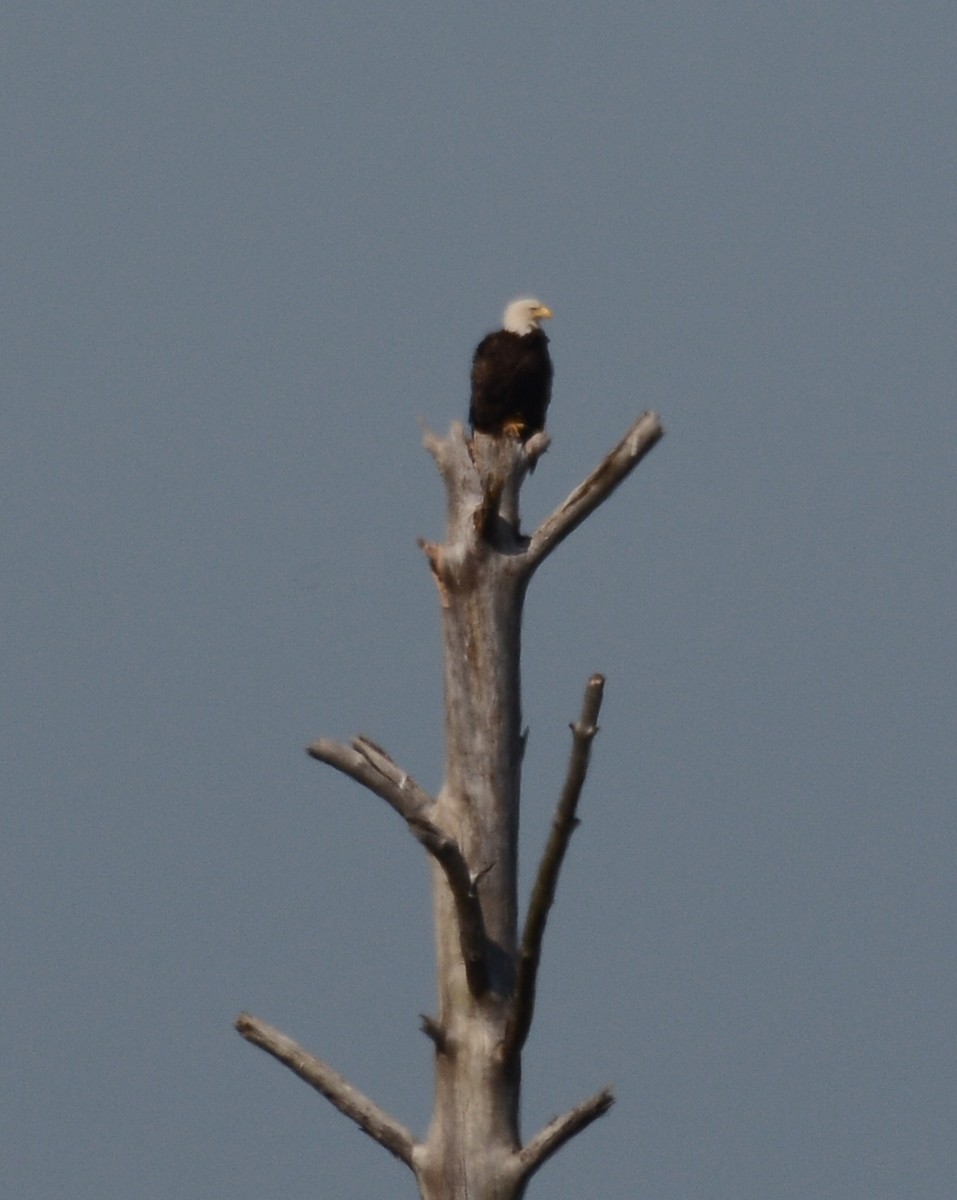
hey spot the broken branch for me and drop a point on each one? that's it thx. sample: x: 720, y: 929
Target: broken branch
x: 564, y: 823
x: 599, y: 485
x: 370, y: 765
x: 352, y: 1103
x: 561, y: 1130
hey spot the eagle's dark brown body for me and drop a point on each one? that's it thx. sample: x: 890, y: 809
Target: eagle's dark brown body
x: 511, y: 383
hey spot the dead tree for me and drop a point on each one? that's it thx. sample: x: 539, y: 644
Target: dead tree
x: 486, y: 972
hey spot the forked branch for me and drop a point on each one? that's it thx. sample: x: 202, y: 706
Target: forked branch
x: 599, y: 485
x: 370, y: 765
x: 564, y: 823
x: 352, y: 1103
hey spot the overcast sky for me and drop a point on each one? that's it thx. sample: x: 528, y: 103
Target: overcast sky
x: 245, y: 249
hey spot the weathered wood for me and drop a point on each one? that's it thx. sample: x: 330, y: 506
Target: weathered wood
x: 370, y: 1118
x: 485, y: 979
x: 564, y: 824
x: 371, y: 766
x: 474, y: 1136
x: 614, y: 469
x: 482, y: 569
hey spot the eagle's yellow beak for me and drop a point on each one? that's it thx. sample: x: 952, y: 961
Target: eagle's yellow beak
x: 542, y: 312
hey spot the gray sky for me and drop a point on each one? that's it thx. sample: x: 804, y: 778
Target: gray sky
x: 245, y: 248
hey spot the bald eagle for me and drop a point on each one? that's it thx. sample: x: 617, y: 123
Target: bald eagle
x: 512, y: 374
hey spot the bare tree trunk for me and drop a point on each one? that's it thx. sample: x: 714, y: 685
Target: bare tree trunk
x: 486, y: 974
x: 474, y: 1135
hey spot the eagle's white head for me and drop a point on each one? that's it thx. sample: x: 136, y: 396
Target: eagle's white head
x: 524, y: 314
